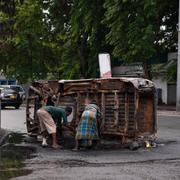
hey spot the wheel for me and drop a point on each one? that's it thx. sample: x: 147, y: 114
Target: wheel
x: 17, y: 106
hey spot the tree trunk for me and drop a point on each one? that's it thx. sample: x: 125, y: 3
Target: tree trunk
x: 82, y: 48
x: 147, y: 70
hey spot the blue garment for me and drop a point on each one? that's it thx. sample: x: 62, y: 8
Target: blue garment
x: 88, y: 128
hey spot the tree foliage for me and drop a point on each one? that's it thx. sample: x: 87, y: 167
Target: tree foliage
x: 139, y: 29
x: 62, y: 38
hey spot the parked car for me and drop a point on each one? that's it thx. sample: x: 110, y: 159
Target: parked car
x: 10, y: 97
x: 17, y: 88
x: 20, y: 90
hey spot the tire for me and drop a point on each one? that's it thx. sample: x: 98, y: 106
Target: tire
x: 17, y: 106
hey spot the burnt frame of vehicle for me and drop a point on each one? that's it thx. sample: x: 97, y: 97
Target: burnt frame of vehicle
x: 128, y: 105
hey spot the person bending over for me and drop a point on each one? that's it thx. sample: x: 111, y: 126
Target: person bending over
x: 50, y: 118
x: 87, y: 131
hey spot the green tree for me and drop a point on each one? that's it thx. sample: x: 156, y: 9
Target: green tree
x: 131, y: 29
x: 77, y: 25
x: 28, y: 41
x: 7, y: 11
x: 63, y: 38
x: 138, y: 29
x: 166, y: 23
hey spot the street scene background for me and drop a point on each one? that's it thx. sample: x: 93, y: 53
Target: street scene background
x: 161, y: 162
x: 90, y: 40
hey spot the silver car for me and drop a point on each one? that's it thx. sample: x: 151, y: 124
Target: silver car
x: 17, y: 88
x: 20, y: 90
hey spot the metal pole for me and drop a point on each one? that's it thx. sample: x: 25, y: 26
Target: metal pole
x: 178, y: 68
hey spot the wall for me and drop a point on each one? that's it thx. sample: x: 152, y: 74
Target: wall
x: 133, y: 70
x: 162, y: 84
x: 171, y: 94
x: 172, y: 55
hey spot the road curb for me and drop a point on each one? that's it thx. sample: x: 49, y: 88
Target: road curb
x: 168, y: 113
x: 4, y: 136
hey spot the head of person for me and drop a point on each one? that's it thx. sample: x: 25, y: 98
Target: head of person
x: 87, y: 101
x: 42, y: 100
x: 51, y: 100
x: 68, y: 110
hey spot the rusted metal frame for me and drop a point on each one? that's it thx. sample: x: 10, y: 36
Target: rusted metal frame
x: 136, y: 104
x: 35, y: 90
x: 155, y: 111
x: 89, y: 86
x: 71, y: 84
x: 33, y: 128
x: 32, y: 97
x: 109, y: 91
x: 77, y: 107
x: 103, y: 108
x: 74, y: 111
x: 31, y: 123
x: 96, y: 97
x: 28, y: 108
x: 77, y: 91
x: 58, y: 98
x: 76, y: 86
x: 35, y: 109
x: 54, y: 86
x: 29, y: 120
x: 116, y: 108
x: 126, y: 113
x: 117, y: 133
x: 69, y: 93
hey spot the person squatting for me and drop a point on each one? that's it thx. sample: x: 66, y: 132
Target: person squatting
x: 87, y: 130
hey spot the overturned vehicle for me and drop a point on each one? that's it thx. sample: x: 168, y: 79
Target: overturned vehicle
x: 128, y: 105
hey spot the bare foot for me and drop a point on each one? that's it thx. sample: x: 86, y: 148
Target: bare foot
x: 56, y: 146
x: 75, y: 149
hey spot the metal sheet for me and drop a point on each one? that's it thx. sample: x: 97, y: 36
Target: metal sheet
x: 127, y: 104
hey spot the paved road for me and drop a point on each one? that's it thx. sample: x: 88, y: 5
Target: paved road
x: 162, y: 163
x: 13, y: 119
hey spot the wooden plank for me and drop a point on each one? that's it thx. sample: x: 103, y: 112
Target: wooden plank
x: 136, y: 104
x: 77, y: 107
x: 103, y: 108
x: 126, y: 113
x: 116, y: 108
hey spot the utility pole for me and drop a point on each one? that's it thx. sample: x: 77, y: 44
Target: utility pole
x: 178, y: 68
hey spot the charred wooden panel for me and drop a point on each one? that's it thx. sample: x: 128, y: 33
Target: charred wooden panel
x: 128, y: 109
x: 145, y: 114
x: 109, y: 121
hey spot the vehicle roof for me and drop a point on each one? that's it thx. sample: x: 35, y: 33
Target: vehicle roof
x: 6, y: 89
x: 135, y: 81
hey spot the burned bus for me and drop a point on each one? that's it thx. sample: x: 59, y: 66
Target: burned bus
x: 128, y: 105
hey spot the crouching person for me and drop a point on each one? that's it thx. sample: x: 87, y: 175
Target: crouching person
x: 49, y: 118
x: 87, y: 133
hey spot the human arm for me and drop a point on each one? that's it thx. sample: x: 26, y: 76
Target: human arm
x: 64, y: 117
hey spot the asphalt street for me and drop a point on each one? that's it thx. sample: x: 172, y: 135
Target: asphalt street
x: 13, y: 120
x: 161, y: 163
